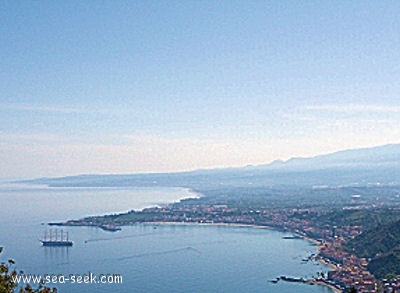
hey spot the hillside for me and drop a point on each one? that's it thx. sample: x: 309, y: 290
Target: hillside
x: 382, y: 246
x: 387, y: 265
x: 357, y: 167
x: 371, y: 244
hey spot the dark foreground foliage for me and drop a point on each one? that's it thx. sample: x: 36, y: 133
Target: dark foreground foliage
x: 8, y: 285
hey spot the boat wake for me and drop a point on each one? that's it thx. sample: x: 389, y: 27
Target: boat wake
x: 118, y: 238
x: 165, y: 252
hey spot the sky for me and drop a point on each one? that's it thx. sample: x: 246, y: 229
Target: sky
x: 101, y: 87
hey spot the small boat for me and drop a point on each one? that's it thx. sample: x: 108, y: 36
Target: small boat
x: 110, y: 227
x: 291, y: 237
x: 56, y: 238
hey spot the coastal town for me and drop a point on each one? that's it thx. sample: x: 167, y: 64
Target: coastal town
x: 200, y: 146
x: 347, y: 270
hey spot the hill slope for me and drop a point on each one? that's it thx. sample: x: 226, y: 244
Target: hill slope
x: 382, y: 246
x: 378, y: 165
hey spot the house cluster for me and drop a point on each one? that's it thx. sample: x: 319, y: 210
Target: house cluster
x: 391, y: 286
x: 349, y: 269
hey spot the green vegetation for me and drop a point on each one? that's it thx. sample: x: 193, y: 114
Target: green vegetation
x: 7, y: 284
x: 353, y: 290
x: 366, y: 218
x: 376, y: 242
x: 387, y: 265
x: 381, y: 246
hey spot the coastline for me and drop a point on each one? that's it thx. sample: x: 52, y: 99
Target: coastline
x: 192, y: 194
x: 207, y: 224
x: 314, y: 241
x: 321, y: 283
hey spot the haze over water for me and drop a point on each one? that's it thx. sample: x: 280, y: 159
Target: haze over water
x: 162, y: 258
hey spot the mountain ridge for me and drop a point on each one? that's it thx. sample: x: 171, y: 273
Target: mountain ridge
x: 372, y: 165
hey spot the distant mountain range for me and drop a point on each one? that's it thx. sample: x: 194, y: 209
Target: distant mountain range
x: 355, y: 167
x: 387, y: 155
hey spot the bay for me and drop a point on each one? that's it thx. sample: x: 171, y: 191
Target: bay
x: 150, y: 258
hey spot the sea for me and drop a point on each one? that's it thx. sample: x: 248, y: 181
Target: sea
x: 148, y: 257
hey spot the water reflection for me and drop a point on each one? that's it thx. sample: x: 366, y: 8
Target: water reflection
x: 57, y: 254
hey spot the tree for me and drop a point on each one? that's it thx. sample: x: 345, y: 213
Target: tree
x: 8, y: 284
x: 353, y: 290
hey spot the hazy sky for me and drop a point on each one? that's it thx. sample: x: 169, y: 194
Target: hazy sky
x: 148, y: 86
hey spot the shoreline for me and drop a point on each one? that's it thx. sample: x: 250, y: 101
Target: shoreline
x: 209, y: 224
x: 322, y: 283
x: 314, y: 241
x: 192, y: 194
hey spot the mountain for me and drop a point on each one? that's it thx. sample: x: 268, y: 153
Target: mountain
x: 386, y: 265
x: 371, y: 244
x: 382, y: 156
x: 382, y: 246
x: 359, y: 167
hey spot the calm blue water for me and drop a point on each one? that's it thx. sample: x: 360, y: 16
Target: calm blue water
x: 163, y: 258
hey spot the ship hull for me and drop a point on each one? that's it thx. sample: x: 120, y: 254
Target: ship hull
x: 57, y: 243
